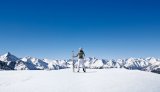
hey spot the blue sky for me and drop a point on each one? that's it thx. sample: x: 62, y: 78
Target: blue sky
x: 104, y: 28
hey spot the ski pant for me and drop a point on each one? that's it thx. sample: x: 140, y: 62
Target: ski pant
x: 81, y: 63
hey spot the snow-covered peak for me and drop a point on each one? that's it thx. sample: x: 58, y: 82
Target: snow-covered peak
x: 91, y: 59
x: 151, y: 60
x: 8, y: 57
x: 130, y: 60
x: 97, y: 64
x: 32, y: 59
x: 35, y: 63
x: 7, y: 54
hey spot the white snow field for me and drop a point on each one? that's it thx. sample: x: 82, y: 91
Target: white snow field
x: 103, y: 80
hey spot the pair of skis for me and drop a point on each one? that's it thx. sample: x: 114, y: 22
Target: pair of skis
x: 73, y: 61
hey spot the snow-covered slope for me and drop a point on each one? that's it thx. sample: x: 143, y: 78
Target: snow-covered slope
x: 96, y: 80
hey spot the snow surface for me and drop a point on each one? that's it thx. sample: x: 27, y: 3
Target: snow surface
x: 95, y: 80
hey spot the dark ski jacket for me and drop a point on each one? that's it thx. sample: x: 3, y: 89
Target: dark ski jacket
x: 81, y: 54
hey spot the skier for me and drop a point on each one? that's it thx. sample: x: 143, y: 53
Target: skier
x: 81, y: 60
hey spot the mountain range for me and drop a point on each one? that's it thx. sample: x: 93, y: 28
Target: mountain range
x: 9, y: 61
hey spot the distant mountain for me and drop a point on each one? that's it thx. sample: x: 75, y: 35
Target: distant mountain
x: 8, y: 57
x: 8, y: 61
x: 35, y: 63
x: 11, y: 62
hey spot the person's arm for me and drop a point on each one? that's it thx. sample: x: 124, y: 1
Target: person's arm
x: 84, y: 54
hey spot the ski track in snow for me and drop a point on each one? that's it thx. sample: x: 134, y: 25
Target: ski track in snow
x: 105, y: 80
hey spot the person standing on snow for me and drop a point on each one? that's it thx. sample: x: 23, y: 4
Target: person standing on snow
x: 81, y: 60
